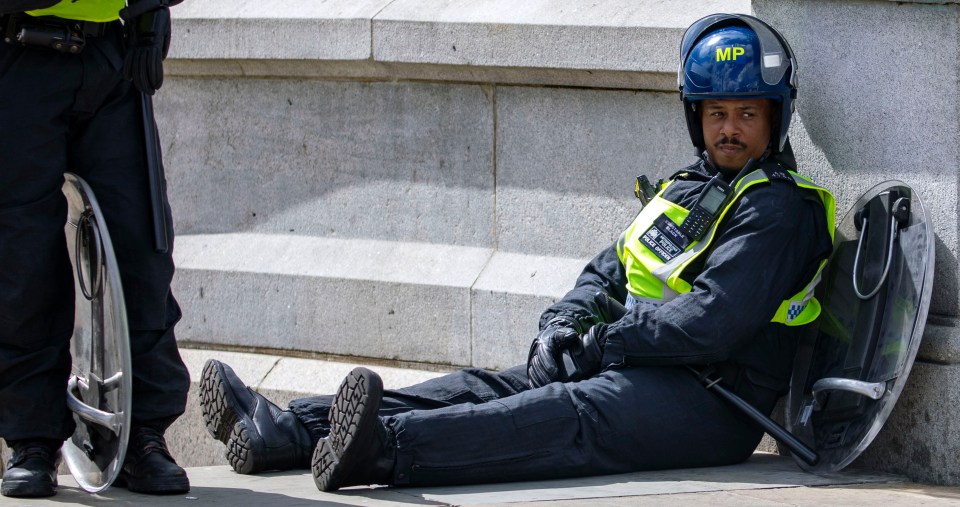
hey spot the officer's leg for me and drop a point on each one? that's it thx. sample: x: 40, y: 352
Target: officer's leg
x: 107, y: 150
x: 261, y: 436
x: 618, y: 421
x: 469, y: 385
x: 366, y: 446
x: 36, y: 285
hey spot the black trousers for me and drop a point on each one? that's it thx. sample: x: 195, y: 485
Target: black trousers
x: 475, y: 426
x: 76, y: 113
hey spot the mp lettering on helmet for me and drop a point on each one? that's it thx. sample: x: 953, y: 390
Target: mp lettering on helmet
x: 729, y: 53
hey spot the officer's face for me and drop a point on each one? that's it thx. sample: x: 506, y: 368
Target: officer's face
x: 735, y: 130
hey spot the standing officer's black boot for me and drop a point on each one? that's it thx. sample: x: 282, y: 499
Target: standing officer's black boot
x: 32, y: 471
x: 359, y: 449
x: 259, y: 435
x: 149, y: 468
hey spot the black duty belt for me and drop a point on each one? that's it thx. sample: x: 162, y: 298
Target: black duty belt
x: 64, y: 35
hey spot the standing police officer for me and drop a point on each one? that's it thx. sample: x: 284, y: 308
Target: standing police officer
x: 71, y: 83
x: 715, y: 276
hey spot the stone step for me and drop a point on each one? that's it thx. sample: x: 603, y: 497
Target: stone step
x: 608, y: 43
x: 420, y: 302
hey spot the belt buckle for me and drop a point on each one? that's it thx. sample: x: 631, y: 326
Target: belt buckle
x: 92, y: 28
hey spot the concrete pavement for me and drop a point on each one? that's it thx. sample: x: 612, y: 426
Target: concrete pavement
x: 764, y: 480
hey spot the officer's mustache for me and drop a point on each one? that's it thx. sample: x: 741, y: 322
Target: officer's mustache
x: 733, y: 141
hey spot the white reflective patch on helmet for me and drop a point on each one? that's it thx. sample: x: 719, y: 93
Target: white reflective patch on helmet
x: 771, y: 60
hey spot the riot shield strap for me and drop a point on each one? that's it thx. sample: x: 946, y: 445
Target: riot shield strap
x: 898, y: 215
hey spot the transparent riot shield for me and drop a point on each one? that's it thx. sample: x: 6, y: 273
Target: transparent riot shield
x: 875, y: 297
x: 99, y: 388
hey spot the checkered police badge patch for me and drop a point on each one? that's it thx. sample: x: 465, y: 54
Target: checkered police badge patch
x: 795, y: 310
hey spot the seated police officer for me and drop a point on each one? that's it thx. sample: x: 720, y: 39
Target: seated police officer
x: 71, y: 83
x: 715, y: 275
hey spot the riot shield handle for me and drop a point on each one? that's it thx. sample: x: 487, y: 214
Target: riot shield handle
x: 113, y: 422
x: 872, y: 390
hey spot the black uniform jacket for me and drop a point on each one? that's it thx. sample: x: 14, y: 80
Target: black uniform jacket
x: 766, y: 249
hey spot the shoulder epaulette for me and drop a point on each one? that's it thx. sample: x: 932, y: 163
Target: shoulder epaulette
x: 776, y: 173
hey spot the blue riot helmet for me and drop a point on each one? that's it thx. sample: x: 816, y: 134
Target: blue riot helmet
x: 725, y: 56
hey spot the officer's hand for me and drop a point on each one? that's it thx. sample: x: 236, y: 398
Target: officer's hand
x: 582, y: 359
x: 544, y: 364
x: 148, y: 40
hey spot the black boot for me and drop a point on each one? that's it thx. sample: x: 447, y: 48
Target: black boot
x: 149, y: 468
x: 259, y: 435
x: 359, y: 449
x: 32, y: 471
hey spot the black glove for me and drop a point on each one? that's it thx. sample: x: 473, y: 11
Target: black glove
x: 543, y: 361
x: 582, y: 359
x: 561, y: 354
x: 148, y: 40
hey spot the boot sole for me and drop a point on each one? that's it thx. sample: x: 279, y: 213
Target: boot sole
x: 240, y: 450
x: 216, y: 401
x: 226, y: 424
x: 353, y: 418
x: 324, y: 466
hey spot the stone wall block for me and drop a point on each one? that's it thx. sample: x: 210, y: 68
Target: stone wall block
x: 567, y: 160
x: 379, y: 160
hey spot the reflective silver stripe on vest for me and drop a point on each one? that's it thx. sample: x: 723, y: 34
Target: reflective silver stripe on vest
x: 645, y: 303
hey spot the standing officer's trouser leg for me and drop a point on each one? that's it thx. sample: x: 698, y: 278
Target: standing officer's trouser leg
x: 36, y: 285
x: 619, y: 421
x: 107, y: 150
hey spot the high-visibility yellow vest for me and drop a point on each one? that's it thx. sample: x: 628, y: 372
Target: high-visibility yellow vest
x: 100, y: 11
x: 654, y: 281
